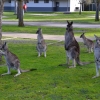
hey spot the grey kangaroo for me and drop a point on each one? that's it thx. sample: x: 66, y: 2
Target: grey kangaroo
x: 41, y: 45
x: 89, y: 43
x: 12, y: 61
x: 97, y: 55
x: 72, y: 47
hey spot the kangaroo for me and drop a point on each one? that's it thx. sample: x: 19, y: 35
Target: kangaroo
x: 12, y: 61
x: 89, y: 43
x: 41, y: 45
x: 97, y: 55
x: 72, y: 47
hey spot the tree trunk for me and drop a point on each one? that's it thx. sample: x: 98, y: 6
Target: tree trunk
x: 1, y: 12
x: 15, y: 7
x: 20, y: 13
x: 80, y: 8
x: 97, y: 12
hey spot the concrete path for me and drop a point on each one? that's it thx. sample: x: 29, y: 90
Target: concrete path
x: 47, y: 37
x: 53, y: 24
x: 34, y: 36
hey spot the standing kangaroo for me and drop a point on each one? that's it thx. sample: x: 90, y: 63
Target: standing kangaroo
x: 71, y: 46
x: 41, y: 45
x: 97, y: 55
x: 89, y: 43
x: 12, y: 61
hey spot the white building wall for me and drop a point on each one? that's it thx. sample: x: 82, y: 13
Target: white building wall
x: 7, y: 4
x: 62, y: 3
x: 73, y: 5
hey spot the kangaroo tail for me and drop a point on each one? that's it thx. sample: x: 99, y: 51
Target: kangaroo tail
x: 82, y: 63
x: 28, y: 70
x: 86, y: 63
x: 78, y: 61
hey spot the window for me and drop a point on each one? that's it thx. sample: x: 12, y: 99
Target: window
x: 46, y: 1
x: 36, y: 1
x: 9, y: 1
x: 93, y: 1
x: 26, y: 1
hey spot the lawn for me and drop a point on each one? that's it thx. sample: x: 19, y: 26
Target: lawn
x: 50, y: 30
x: 85, y: 17
x: 50, y: 81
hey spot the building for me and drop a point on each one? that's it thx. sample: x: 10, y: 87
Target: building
x: 46, y: 5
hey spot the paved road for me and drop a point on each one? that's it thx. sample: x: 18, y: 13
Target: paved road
x: 54, y: 24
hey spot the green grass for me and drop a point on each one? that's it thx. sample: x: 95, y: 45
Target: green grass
x: 49, y: 81
x: 50, y: 30
x: 85, y: 17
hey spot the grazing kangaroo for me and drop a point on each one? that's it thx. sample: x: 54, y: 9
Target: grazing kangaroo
x: 72, y: 47
x: 12, y: 61
x: 89, y: 43
x: 97, y: 55
x: 41, y: 45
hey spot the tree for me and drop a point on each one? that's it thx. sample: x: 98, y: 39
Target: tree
x: 1, y: 12
x: 20, y: 13
x: 81, y: 2
x: 15, y: 7
x: 97, y: 2
x: 97, y: 10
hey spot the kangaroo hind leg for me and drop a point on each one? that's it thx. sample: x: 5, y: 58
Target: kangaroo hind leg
x: 19, y: 72
x: 17, y: 66
x: 73, y: 64
x: 8, y: 72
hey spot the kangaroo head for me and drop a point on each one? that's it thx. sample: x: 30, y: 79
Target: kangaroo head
x: 3, y: 48
x: 69, y: 26
x: 39, y: 31
x: 82, y: 35
x: 97, y: 39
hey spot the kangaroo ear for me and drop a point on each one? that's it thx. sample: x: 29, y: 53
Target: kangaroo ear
x: 3, y: 46
x: 83, y: 33
x: 71, y: 22
x: 67, y: 21
x: 39, y: 28
x: 96, y: 36
x: 5, y: 43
